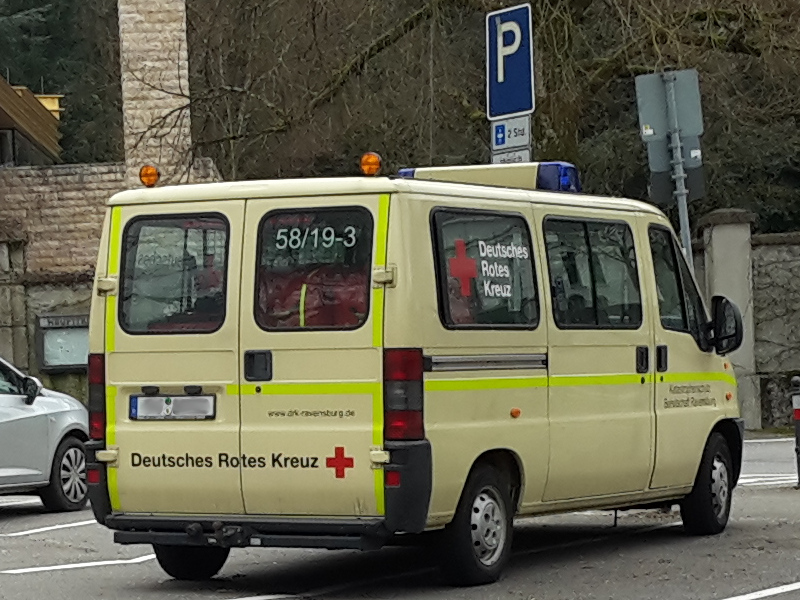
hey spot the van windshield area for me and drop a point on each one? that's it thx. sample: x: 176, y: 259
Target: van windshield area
x: 314, y: 269
x: 174, y: 274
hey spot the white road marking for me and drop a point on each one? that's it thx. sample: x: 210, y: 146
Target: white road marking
x: 52, y: 528
x: 102, y: 563
x: 768, y: 479
x: 768, y: 593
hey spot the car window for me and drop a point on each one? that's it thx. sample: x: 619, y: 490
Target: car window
x: 174, y: 274
x: 485, y: 264
x: 314, y: 269
x: 668, y: 281
x: 695, y: 311
x: 593, y: 274
x: 680, y: 304
x: 8, y: 385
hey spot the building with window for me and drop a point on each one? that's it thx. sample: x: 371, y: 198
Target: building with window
x: 28, y: 127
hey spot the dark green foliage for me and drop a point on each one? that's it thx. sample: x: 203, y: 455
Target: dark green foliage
x: 68, y: 47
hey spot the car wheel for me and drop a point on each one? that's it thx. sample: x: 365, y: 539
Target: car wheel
x: 67, y: 488
x: 191, y: 563
x: 477, y: 542
x: 705, y: 511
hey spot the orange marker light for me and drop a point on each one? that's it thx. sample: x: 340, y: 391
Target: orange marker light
x: 515, y: 413
x: 149, y: 175
x: 728, y: 396
x: 727, y: 366
x: 371, y: 164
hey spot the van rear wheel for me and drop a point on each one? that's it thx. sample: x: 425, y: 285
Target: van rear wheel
x: 706, y: 509
x: 191, y: 563
x: 477, y: 542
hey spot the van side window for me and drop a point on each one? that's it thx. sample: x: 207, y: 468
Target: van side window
x: 593, y: 274
x: 695, y: 311
x: 314, y: 269
x: 174, y: 274
x: 485, y: 270
x: 668, y: 281
x: 680, y: 303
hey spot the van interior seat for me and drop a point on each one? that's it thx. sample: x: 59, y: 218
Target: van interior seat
x: 335, y: 296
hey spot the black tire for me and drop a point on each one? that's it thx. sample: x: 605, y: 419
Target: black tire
x: 67, y: 490
x: 487, y: 496
x: 705, y: 511
x: 191, y: 563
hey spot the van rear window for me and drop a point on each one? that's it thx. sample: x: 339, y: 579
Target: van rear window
x: 314, y: 269
x: 174, y: 274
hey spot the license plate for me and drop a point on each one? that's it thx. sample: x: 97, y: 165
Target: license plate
x: 182, y: 408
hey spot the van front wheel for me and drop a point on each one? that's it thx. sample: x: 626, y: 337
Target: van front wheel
x: 191, y: 563
x: 706, y: 509
x: 477, y: 542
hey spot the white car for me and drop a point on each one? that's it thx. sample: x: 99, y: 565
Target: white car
x: 42, y: 435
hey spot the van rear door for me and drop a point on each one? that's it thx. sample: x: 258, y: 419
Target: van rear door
x: 311, y: 338
x: 172, y: 358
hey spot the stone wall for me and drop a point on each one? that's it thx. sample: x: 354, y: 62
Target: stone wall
x: 64, y: 299
x: 49, y: 235
x: 61, y: 209
x: 776, y: 301
x: 13, y: 306
x: 155, y: 87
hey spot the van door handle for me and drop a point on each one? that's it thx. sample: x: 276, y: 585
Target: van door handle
x: 642, y: 359
x: 258, y: 365
x: 661, y: 358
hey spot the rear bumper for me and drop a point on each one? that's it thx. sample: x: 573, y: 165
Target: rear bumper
x: 406, y: 513
x: 233, y: 532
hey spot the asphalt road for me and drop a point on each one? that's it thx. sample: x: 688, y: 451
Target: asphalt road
x: 580, y: 556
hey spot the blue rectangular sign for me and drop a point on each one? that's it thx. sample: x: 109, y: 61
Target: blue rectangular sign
x: 509, y: 63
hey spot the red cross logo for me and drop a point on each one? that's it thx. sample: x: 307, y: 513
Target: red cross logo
x: 463, y: 268
x: 339, y: 461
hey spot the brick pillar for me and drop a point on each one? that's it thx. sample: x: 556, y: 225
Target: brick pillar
x: 155, y: 88
x: 729, y: 272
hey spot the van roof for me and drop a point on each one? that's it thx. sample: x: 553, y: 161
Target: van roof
x: 338, y: 186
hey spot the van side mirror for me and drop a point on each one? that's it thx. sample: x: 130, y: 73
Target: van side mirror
x: 727, y: 325
x: 32, y: 388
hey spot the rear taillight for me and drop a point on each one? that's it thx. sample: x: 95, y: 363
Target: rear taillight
x: 97, y: 425
x: 97, y: 396
x: 403, y: 394
x: 392, y: 478
x: 93, y: 475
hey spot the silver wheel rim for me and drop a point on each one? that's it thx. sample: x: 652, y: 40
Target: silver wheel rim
x: 73, y: 475
x: 720, y: 488
x: 488, y: 526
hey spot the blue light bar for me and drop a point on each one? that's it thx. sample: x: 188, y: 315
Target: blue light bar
x: 408, y: 173
x: 558, y: 176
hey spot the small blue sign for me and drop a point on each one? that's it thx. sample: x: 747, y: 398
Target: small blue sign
x: 509, y: 63
x: 500, y: 135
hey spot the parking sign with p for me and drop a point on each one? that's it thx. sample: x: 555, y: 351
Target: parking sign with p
x: 509, y: 62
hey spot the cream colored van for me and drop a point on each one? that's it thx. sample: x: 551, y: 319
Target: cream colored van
x: 349, y: 363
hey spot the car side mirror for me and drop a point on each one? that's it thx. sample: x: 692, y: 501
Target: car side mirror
x: 727, y: 325
x: 32, y: 388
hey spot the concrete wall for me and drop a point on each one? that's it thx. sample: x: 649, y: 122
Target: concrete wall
x: 727, y: 272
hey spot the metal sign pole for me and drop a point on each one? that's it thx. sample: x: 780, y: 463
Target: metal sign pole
x: 678, y: 172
